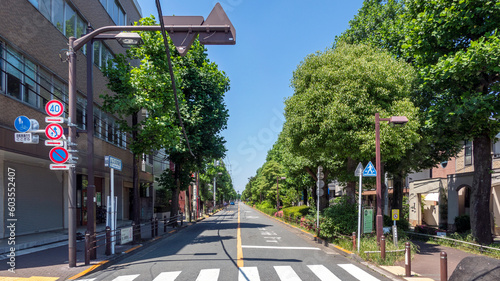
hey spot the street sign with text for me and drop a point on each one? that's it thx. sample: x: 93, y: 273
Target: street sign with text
x: 60, y: 166
x: 113, y: 162
x: 54, y: 143
x: 54, y: 119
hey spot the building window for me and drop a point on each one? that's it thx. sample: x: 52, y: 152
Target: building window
x: 468, y: 153
x: 496, y: 147
x: 62, y: 16
x: 115, y: 11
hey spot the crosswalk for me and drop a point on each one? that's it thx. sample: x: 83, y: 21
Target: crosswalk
x: 284, y: 273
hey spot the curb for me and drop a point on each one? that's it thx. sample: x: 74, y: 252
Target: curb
x: 340, y: 250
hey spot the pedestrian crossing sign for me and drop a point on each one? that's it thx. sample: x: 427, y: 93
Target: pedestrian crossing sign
x: 369, y: 171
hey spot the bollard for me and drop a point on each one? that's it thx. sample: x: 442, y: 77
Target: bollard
x: 382, y: 247
x: 152, y: 228
x: 407, y: 259
x: 87, y: 247
x: 444, y: 266
x: 164, y: 224
x: 108, y: 241
x: 156, y: 226
x: 354, y: 241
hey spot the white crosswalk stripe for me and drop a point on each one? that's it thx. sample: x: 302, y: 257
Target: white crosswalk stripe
x: 357, y: 272
x: 248, y: 274
x: 208, y: 275
x: 126, y: 277
x: 323, y: 273
x: 285, y: 273
x: 167, y: 276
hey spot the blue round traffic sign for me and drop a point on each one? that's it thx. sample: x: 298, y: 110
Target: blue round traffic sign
x: 54, y: 131
x: 58, y: 155
x: 22, y: 124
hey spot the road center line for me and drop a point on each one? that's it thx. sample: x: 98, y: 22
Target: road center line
x: 279, y: 248
x: 239, y: 250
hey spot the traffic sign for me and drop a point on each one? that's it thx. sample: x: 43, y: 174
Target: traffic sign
x: 54, y: 108
x: 22, y: 124
x: 395, y: 214
x: 58, y: 155
x: 54, y: 131
x: 320, y: 183
x: 54, y: 143
x: 113, y: 162
x: 54, y: 119
x: 23, y: 137
x: 359, y: 170
x: 60, y: 166
x: 369, y: 171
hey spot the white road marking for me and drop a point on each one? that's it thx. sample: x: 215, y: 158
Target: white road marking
x: 268, y: 233
x: 248, y: 274
x: 208, y: 275
x: 167, y: 276
x: 272, y: 241
x: 323, y: 273
x: 286, y: 273
x: 279, y: 248
x: 126, y: 277
x: 357, y: 272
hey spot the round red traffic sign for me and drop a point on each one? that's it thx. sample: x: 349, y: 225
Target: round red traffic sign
x: 54, y: 131
x: 54, y: 108
x: 58, y: 155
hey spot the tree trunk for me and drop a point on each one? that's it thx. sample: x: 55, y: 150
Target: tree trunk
x: 350, y: 189
x: 481, y: 190
x: 397, y: 195
x: 174, y: 208
x: 136, y: 214
x: 306, y: 196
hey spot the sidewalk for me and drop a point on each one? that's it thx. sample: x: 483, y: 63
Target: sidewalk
x: 44, y: 256
x: 426, y: 263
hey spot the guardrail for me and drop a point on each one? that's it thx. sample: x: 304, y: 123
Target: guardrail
x: 474, y: 246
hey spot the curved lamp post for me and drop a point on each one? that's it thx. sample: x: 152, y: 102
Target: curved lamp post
x: 397, y: 121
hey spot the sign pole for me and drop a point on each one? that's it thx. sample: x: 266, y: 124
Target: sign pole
x: 359, y: 208
x: 113, y: 212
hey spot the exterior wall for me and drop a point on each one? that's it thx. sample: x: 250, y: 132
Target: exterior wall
x: 24, y: 29
x: 442, y: 172
x: 417, y: 190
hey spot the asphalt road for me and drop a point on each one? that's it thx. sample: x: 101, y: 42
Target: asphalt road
x: 216, y: 249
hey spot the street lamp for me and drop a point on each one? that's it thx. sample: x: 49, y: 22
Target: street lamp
x: 217, y: 29
x: 278, y: 178
x: 396, y: 121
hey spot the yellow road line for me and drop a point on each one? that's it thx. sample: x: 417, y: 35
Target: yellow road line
x: 239, y: 254
x: 342, y: 249
x: 130, y: 250
x: 87, y: 270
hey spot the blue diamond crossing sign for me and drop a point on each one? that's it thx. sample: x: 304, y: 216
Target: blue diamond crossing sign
x: 369, y: 171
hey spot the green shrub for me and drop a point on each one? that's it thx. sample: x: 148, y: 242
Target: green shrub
x: 340, y: 218
x: 266, y: 207
x: 296, y: 212
x: 462, y: 223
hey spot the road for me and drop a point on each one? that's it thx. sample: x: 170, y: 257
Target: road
x: 241, y: 244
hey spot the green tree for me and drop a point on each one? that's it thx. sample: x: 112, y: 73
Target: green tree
x: 330, y: 117
x: 135, y: 90
x: 456, y: 46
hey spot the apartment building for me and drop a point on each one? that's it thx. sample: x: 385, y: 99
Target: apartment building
x: 33, y: 43
x: 439, y: 195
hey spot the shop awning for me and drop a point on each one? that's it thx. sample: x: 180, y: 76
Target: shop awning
x: 432, y: 197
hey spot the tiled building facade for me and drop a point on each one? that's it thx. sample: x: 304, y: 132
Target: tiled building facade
x: 33, y: 43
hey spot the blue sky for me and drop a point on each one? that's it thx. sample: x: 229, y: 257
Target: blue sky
x: 272, y: 38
